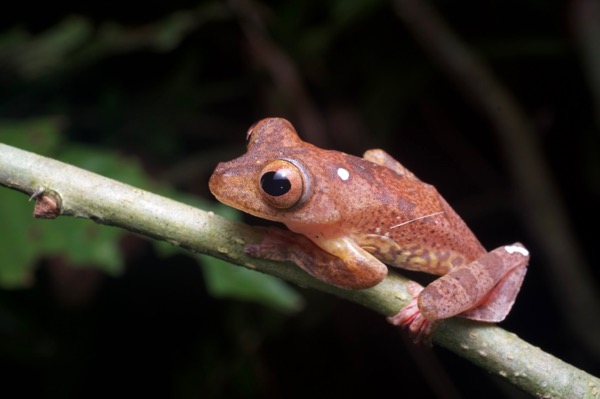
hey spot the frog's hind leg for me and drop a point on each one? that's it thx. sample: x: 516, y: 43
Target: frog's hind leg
x: 500, y: 300
x: 483, y: 290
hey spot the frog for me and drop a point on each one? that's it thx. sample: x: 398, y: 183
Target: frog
x: 349, y: 218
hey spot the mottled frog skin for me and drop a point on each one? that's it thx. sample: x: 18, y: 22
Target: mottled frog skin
x: 352, y: 216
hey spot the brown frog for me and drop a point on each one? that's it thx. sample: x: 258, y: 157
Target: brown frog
x: 352, y: 216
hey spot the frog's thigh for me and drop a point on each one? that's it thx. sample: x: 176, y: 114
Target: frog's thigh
x: 483, y: 290
x: 382, y: 158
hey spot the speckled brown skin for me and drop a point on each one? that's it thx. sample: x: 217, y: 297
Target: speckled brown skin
x: 362, y: 212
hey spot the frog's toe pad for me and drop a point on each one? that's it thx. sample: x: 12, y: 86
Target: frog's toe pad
x: 419, y: 328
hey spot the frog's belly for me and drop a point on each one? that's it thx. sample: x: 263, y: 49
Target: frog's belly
x: 411, y: 257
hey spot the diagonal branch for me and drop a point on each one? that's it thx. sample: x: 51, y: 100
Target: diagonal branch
x: 87, y: 195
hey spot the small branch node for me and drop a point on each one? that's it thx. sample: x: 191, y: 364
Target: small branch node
x: 47, y: 204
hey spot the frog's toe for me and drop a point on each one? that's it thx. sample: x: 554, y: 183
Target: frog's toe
x: 406, y: 316
x: 419, y: 328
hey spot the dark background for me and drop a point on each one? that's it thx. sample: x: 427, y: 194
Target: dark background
x: 175, y: 85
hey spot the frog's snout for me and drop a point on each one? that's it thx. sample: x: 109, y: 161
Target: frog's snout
x: 216, y: 181
x: 229, y: 183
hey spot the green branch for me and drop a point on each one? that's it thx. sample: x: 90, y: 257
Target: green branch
x: 80, y: 193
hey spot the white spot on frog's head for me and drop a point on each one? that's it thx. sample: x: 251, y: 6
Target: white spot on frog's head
x: 343, y: 174
x: 511, y: 249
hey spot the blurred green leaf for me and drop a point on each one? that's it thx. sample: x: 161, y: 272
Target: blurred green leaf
x: 81, y: 242
x: 224, y: 280
x: 26, y: 240
x: 106, y: 163
x: 49, y: 49
x: 17, y: 246
x: 93, y: 245
x: 40, y: 135
x: 227, y: 281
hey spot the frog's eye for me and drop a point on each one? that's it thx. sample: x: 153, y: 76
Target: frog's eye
x: 283, y: 184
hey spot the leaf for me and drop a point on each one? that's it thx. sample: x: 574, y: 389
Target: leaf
x: 41, y: 135
x: 92, y: 245
x: 26, y: 240
x: 83, y: 243
x: 17, y: 240
x: 223, y: 280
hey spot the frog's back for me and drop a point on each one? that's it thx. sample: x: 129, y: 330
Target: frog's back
x: 408, y: 224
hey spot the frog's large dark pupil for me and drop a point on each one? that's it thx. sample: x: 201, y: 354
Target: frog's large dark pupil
x: 275, y: 183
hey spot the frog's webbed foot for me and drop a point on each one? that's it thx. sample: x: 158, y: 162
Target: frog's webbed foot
x: 411, y: 318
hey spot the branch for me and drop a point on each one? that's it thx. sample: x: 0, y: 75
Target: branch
x: 84, y: 194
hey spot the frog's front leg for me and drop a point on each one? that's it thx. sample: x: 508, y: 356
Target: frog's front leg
x: 337, y: 261
x: 483, y: 290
